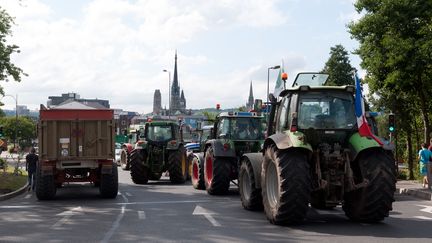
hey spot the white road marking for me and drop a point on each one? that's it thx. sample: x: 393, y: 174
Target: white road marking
x: 422, y: 217
x: 141, y: 215
x: 67, y: 215
x: 28, y: 196
x: 170, y: 202
x: 116, y: 223
x: 26, y: 206
x: 426, y: 209
x: 207, y: 214
x: 128, y: 194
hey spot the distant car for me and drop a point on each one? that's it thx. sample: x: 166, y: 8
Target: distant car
x: 117, y: 153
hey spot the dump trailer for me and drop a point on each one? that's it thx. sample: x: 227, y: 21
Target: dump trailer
x: 76, y: 146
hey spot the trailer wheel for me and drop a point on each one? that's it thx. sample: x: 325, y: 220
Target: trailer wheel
x: 197, y: 177
x: 124, y: 160
x: 45, y: 185
x: 373, y: 202
x: 286, y: 185
x: 216, y: 174
x: 109, y: 183
x: 250, y: 195
x: 139, y: 172
x: 177, y: 165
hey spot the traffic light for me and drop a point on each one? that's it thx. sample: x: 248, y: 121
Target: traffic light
x: 391, y: 123
x: 217, y: 106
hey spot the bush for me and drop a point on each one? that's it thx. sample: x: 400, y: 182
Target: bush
x: 3, y: 164
x: 402, y: 174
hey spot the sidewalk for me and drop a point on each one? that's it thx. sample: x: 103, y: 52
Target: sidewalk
x: 413, y: 188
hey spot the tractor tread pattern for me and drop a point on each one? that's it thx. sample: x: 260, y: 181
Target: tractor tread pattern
x: 198, y: 184
x: 45, y: 186
x: 139, y: 172
x: 295, y: 186
x: 255, y: 199
x: 175, y: 166
x: 221, y: 175
x: 374, y: 202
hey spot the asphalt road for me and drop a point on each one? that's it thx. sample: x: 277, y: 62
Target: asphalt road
x: 162, y: 212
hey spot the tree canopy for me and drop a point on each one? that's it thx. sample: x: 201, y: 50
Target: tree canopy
x: 339, y: 68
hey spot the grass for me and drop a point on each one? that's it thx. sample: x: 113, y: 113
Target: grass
x: 10, y: 182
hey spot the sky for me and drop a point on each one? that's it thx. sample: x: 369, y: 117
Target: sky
x: 117, y: 49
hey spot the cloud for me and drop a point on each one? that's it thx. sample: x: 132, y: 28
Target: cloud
x: 116, y: 49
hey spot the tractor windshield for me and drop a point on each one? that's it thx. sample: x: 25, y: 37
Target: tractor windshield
x: 311, y: 79
x: 159, y: 133
x: 244, y: 128
x: 320, y: 110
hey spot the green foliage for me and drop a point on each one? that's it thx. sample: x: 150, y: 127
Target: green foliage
x: 396, y: 50
x: 210, y: 115
x: 26, y: 129
x: 339, y: 68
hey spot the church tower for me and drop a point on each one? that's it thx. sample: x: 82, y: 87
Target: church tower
x: 250, y: 103
x: 157, y: 102
x: 178, y: 101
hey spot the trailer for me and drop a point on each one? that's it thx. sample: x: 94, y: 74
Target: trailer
x: 76, y: 146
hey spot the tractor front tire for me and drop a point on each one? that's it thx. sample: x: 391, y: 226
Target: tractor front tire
x: 197, y: 177
x: 125, y: 160
x: 249, y: 193
x: 285, y: 185
x: 372, y: 203
x: 45, y: 186
x: 177, y: 166
x: 216, y: 174
x: 139, y: 172
x: 109, y: 183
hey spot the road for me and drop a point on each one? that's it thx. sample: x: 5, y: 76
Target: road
x: 162, y: 212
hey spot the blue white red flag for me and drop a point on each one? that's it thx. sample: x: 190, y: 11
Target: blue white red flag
x: 363, y: 126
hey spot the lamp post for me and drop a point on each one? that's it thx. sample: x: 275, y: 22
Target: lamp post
x: 268, y: 80
x: 169, y: 92
x: 16, y: 117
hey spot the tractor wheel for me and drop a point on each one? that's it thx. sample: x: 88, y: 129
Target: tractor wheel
x: 189, y: 166
x: 45, y: 186
x: 138, y: 171
x: 373, y: 202
x: 216, y: 174
x: 286, y: 185
x: 109, y: 183
x: 250, y: 195
x: 177, y: 165
x: 197, y: 177
x: 124, y: 160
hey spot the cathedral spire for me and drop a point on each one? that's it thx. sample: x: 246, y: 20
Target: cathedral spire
x: 175, y: 90
x: 250, y: 103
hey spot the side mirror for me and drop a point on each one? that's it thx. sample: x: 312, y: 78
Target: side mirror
x: 272, y: 99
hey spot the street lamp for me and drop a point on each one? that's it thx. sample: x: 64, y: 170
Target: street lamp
x: 16, y: 117
x: 169, y: 92
x: 268, y: 80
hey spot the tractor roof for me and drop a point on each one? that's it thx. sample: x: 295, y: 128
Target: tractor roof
x: 161, y: 123
x: 306, y: 88
x: 241, y: 114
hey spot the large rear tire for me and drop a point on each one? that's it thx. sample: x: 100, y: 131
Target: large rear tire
x: 177, y: 163
x: 45, y: 185
x: 139, y: 172
x: 109, y: 183
x: 216, y: 174
x: 124, y: 160
x: 374, y: 202
x: 249, y: 193
x: 285, y: 185
x: 197, y: 175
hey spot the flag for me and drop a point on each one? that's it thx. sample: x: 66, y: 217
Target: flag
x: 279, y: 87
x: 362, y: 124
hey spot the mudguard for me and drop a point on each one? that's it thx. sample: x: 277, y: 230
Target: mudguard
x: 288, y: 139
x: 128, y: 147
x: 199, y: 156
x: 173, y: 145
x: 256, y: 159
x: 141, y: 145
x: 359, y: 144
x: 219, y: 150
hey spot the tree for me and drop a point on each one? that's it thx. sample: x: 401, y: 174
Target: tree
x: 26, y: 129
x: 396, y: 50
x: 7, y: 68
x: 339, y: 68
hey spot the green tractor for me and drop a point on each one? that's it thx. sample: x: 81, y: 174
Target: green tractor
x: 315, y: 155
x: 159, y: 149
x: 234, y: 134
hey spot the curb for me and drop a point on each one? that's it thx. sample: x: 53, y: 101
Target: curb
x: 14, y: 193
x: 418, y: 193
